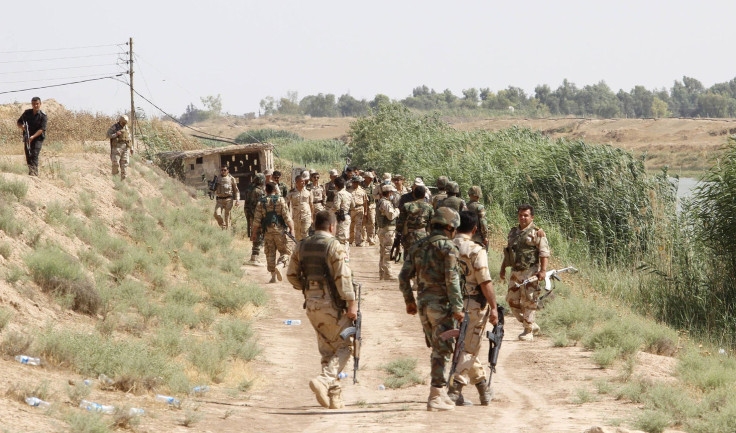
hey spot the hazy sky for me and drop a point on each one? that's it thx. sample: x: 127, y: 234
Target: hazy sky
x: 246, y: 50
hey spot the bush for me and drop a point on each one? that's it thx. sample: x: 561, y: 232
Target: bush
x: 87, y: 422
x: 652, y: 421
x: 266, y: 135
x: 5, y: 250
x: 5, y: 316
x: 311, y: 152
x: 16, y: 343
x: 401, y: 373
x: 17, y: 189
x: 8, y: 223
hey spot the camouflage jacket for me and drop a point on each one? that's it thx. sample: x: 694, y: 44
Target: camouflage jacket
x: 283, y: 189
x: 480, y: 212
x: 434, y: 262
x: 267, y: 208
x: 112, y: 134
x: 415, y: 215
x: 524, y: 248
x: 437, y: 198
x: 453, y: 202
x: 227, y: 187
x: 254, y: 196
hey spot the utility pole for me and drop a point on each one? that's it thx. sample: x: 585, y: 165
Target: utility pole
x: 132, y: 104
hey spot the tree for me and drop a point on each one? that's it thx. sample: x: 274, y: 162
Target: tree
x: 320, y: 105
x: 213, y: 104
x: 659, y: 108
x: 379, y: 100
x: 470, y: 98
x: 268, y: 105
x: 351, y: 107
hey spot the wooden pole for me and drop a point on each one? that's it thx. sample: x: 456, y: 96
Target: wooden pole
x: 132, y: 104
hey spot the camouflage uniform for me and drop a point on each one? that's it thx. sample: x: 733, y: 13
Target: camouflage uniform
x: 474, y: 262
x: 441, y: 194
x: 480, y: 211
x: 433, y: 261
x: 414, y: 221
x: 369, y: 225
x: 255, y: 196
x: 386, y: 215
x: 271, y: 211
x: 330, y: 192
x: 523, y: 251
x: 307, y: 273
x: 343, y: 202
x: 119, y: 149
x: 283, y: 189
x: 300, y: 203
x: 318, y: 197
x: 357, y: 214
x: 226, y: 191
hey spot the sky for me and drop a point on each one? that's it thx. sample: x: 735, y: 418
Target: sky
x: 247, y: 50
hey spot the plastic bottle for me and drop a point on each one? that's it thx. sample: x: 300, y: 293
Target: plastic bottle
x: 168, y: 400
x: 134, y: 411
x: 37, y: 402
x: 200, y: 389
x: 105, y: 380
x: 88, y: 382
x: 23, y: 359
x: 94, y: 407
x: 342, y: 375
x: 381, y: 387
x: 292, y: 322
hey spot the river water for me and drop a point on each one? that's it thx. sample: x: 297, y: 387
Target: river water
x: 685, y: 190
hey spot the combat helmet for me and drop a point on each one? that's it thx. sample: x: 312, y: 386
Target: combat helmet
x: 447, y: 217
x: 442, y: 182
x: 474, y: 191
x: 260, y: 179
x: 453, y: 187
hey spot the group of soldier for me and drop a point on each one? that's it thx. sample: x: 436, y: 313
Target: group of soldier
x: 444, y: 276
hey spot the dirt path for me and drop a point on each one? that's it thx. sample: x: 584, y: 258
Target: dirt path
x: 536, y: 385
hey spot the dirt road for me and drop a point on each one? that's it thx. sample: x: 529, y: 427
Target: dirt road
x: 536, y: 385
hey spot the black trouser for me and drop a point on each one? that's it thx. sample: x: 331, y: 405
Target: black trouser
x: 32, y: 156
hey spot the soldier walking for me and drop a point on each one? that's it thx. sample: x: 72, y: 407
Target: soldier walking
x: 120, y: 149
x: 35, y: 120
x: 369, y: 223
x: 226, y: 191
x: 343, y: 204
x: 330, y: 190
x: 453, y: 199
x: 527, y: 252
x: 441, y: 193
x: 317, y: 191
x: 414, y: 218
x: 271, y: 218
x: 480, y: 235
x: 433, y: 261
x: 386, y: 216
x: 254, y: 197
x: 300, y: 202
x: 357, y: 214
x: 329, y: 301
x: 480, y: 303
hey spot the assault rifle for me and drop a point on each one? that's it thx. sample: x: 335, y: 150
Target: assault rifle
x: 355, y: 331
x: 459, y: 344
x: 549, y: 277
x: 212, y: 187
x: 495, y: 338
x: 287, y: 233
x: 396, y: 248
x: 26, y: 137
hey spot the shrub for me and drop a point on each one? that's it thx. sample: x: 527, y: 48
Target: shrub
x: 605, y: 356
x: 16, y: 343
x: 77, y: 392
x: 652, y: 421
x: 8, y: 223
x: 707, y: 372
x: 17, y: 189
x: 266, y: 135
x: 208, y: 357
x: 401, y: 373
x: 87, y: 422
x: 5, y: 250
x: 5, y: 316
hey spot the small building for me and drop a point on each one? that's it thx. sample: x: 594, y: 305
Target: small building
x: 196, y: 167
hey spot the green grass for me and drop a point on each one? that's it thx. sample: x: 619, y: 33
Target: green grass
x: 5, y: 317
x: 14, y: 188
x: 401, y: 373
x: 8, y: 223
x: 87, y: 422
x: 16, y: 343
x: 652, y: 421
x: 5, y: 250
x: 8, y: 166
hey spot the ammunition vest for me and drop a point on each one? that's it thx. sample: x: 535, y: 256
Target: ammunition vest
x: 521, y: 254
x: 272, y: 216
x: 369, y: 192
x: 330, y: 191
x: 381, y: 219
x: 224, y: 186
x: 453, y: 202
x: 313, y: 267
x: 476, y: 207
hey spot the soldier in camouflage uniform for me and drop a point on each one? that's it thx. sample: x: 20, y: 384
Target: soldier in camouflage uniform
x: 329, y: 301
x: 254, y: 197
x: 369, y: 223
x: 527, y: 252
x: 480, y: 303
x: 357, y: 214
x: 120, y: 149
x: 330, y: 190
x: 386, y: 216
x: 226, y: 191
x: 271, y: 218
x: 434, y: 262
x: 317, y: 191
x: 300, y: 202
x: 474, y: 205
x: 343, y: 205
x: 441, y: 194
x: 453, y: 199
x: 283, y: 189
x: 414, y: 218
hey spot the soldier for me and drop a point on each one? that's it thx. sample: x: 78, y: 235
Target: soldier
x: 480, y: 303
x: 398, y: 181
x: 283, y: 189
x: 441, y: 193
x: 357, y: 214
x: 119, y: 136
x: 481, y: 234
x: 527, y: 252
x: 369, y: 223
x: 329, y: 301
x: 414, y: 218
x: 36, y: 121
x: 226, y: 191
x: 271, y: 218
x: 386, y: 216
x: 453, y: 199
x: 433, y: 261
x: 317, y: 191
x: 269, y: 176
x: 330, y: 190
x: 300, y: 202
x: 254, y: 197
x: 343, y: 204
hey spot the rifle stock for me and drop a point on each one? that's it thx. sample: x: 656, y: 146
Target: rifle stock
x: 396, y: 248
x: 459, y: 345
x: 357, y: 338
x: 26, y: 137
x: 495, y: 338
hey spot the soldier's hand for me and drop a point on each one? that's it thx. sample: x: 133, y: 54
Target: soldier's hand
x: 485, y: 242
x: 541, y: 275
x: 458, y: 316
x: 502, y: 274
x: 411, y: 308
x: 541, y: 233
x: 494, y: 316
x: 131, y: 151
x: 237, y: 203
x: 353, y: 310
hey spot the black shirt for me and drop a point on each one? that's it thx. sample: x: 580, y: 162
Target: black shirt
x: 35, y: 122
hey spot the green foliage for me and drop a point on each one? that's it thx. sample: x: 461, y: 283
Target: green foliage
x: 8, y: 166
x: 605, y: 356
x: 5, y: 316
x: 652, y: 421
x: 707, y: 373
x: 583, y: 396
x: 87, y: 422
x: 402, y: 372
x: 267, y: 135
x: 5, y: 250
x: 310, y: 152
x: 8, y: 223
x: 77, y: 392
x: 12, y: 188
x: 16, y: 343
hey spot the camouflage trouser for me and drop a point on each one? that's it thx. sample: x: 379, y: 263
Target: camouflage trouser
x: 385, y: 240
x: 256, y: 249
x: 523, y: 300
x: 469, y: 366
x: 369, y: 224
x: 334, y: 350
x: 342, y: 232
x: 302, y: 223
x: 356, y: 226
x: 436, y: 320
x: 120, y: 157
x: 411, y: 237
x: 275, y: 240
x: 318, y: 207
x: 249, y: 221
x: 222, y: 211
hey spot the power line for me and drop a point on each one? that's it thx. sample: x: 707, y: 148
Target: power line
x: 57, y: 69
x: 59, y: 58
x: 60, y: 85
x: 61, y: 49
x: 56, y: 79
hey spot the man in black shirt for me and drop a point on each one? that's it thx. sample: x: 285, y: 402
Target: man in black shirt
x: 36, y: 121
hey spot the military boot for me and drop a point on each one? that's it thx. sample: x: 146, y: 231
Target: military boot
x: 277, y: 273
x: 436, y: 400
x: 527, y: 335
x: 535, y: 328
x: 254, y: 260
x: 335, y: 394
x: 320, y: 391
x: 456, y: 394
x: 273, y: 278
x: 485, y: 391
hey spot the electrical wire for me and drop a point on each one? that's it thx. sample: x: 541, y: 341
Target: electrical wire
x: 59, y: 78
x: 62, y: 84
x: 57, y: 69
x: 61, y: 49
x: 59, y: 58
